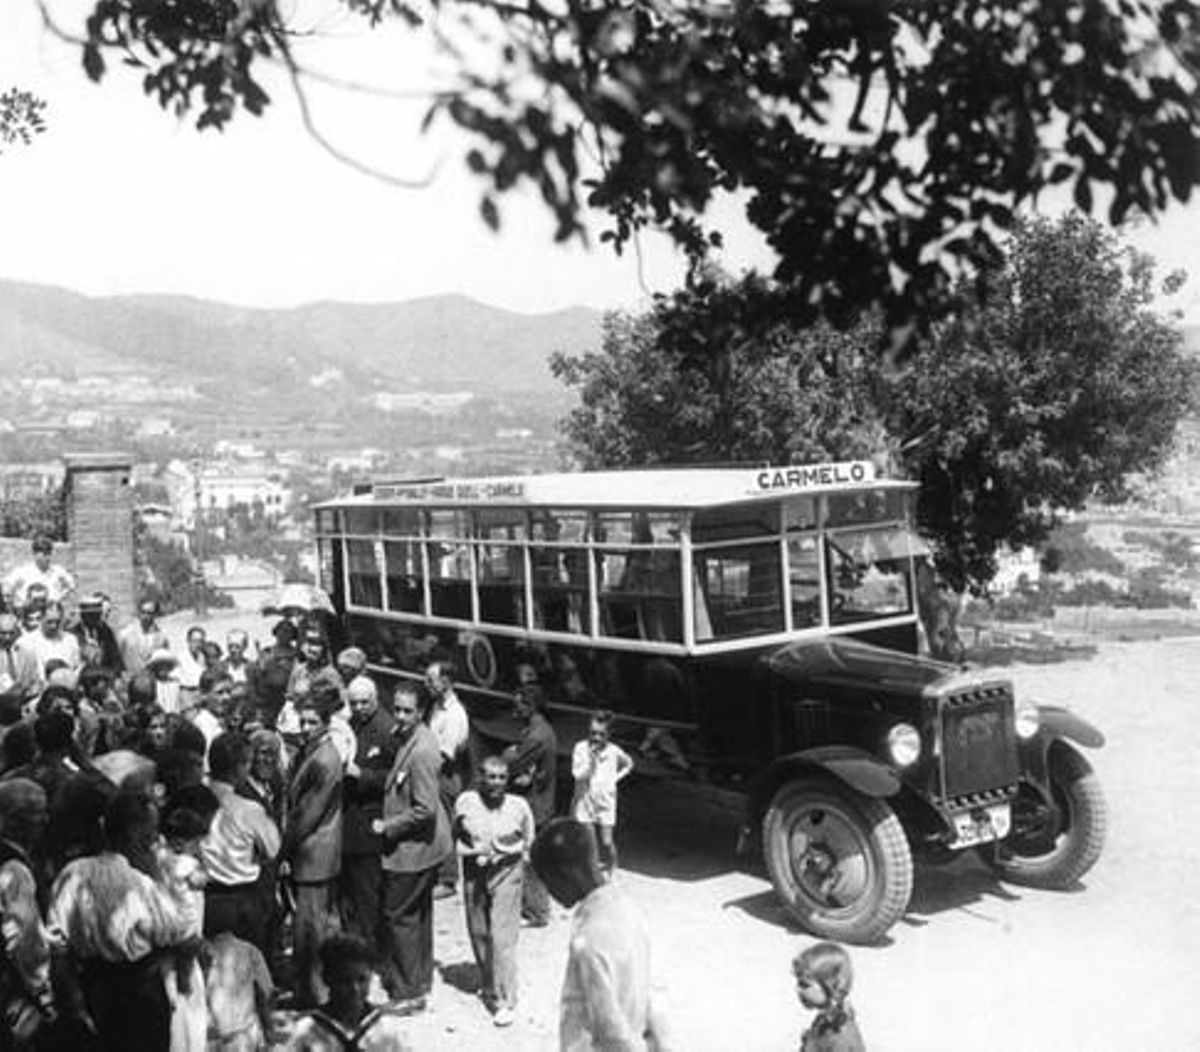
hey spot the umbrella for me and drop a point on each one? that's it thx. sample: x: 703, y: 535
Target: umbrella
x: 298, y: 598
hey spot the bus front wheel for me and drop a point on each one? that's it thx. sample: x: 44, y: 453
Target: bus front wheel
x: 839, y: 861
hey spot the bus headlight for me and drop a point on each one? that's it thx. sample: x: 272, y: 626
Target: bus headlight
x: 904, y: 744
x: 1027, y: 719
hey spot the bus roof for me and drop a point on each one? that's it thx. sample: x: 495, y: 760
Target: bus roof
x: 682, y: 488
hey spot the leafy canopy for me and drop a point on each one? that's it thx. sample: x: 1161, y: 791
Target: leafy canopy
x: 1059, y: 387
x: 881, y: 145
x: 21, y: 117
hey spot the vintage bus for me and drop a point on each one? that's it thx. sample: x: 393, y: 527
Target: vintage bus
x: 753, y: 629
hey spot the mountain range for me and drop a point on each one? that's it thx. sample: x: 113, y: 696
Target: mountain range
x: 436, y: 343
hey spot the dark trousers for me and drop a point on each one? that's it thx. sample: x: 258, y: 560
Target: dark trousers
x: 535, y: 899
x: 315, y: 919
x: 493, y: 906
x: 449, y: 786
x: 407, y: 932
x: 128, y: 1004
x: 361, y: 893
x: 244, y: 910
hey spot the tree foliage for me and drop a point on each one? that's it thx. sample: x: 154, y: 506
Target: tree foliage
x: 881, y: 145
x: 34, y: 515
x: 1058, y: 387
x: 21, y: 117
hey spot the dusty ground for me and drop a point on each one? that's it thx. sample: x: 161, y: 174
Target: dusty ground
x: 974, y: 965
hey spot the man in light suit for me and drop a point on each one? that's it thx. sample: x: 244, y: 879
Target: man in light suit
x: 416, y: 840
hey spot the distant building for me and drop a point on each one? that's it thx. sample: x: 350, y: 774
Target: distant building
x: 219, y: 488
x: 429, y: 402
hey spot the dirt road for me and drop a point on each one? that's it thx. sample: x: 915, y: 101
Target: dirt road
x: 974, y: 965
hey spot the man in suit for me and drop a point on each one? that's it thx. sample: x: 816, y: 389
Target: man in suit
x: 362, y: 864
x: 312, y: 841
x: 416, y: 841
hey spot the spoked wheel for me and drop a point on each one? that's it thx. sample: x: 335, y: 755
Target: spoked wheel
x: 1054, y: 846
x: 839, y: 861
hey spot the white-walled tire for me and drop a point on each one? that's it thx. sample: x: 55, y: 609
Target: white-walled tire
x: 840, y: 861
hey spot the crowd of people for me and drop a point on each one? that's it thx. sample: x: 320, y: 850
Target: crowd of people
x: 192, y: 841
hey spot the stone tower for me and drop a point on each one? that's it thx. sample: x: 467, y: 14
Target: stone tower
x: 99, y: 500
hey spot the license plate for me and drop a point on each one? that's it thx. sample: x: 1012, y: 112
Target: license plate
x: 981, y: 825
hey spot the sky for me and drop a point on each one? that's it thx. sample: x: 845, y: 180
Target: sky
x: 120, y: 197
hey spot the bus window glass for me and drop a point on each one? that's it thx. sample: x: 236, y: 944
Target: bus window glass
x: 501, y: 524
x: 640, y: 595
x: 363, y: 568
x: 800, y: 513
x: 560, y: 527
x: 326, y: 578
x: 326, y: 521
x: 446, y: 522
x: 737, y: 591
x: 727, y: 524
x: 869, y: 574
x: 403, y: 562
x: 362, y: 520
x: 401, y: 522
x: 804, y: 579
x: 853, y: 509
x: 560, y: 589
x: 501, y: 577
x: 449, y: 556
x: 639, y: 527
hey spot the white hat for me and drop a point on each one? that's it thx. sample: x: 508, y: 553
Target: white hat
x: 162, y: 656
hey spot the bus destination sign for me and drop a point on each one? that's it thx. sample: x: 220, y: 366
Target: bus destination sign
x: 815, y: 476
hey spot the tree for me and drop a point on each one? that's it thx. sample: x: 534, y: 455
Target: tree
x: 34, y: 515
x: 21, y: 117
x: 693, y: 382
x: 1056, y: 388
x: 881, y: 145
x: 1060, y: 387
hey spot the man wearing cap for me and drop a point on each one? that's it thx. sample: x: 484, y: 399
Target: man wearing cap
x: 40, y: 570
x: 139, y: 639
x: 97, y: 641
x: 362, y: 864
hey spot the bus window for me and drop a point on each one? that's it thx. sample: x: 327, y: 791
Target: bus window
x: 404, y: 573
x: 800, y: 513
x: 869, y: 574
x: 362, y: 520
x: 639, y: 527
x: 500, y: 574
x: 401, y: 522
x: 326, y: 520
x: 731, y: 523
x: 363, y: 567
x: 804, y: 580
x: 874, y: 505
x: 738, y: 588
x: 449, y: 560
x: 560, y: 589
x: 640, y: 595
x: 560, y: 527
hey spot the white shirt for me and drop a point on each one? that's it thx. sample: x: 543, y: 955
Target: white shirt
x: 450, y: 726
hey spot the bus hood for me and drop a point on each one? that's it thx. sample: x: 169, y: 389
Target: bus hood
x: 832, y: 662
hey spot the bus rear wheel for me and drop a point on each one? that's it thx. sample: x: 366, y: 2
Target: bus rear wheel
x: 840, y: 862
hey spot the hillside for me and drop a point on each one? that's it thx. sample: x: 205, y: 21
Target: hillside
x: 436, y: 343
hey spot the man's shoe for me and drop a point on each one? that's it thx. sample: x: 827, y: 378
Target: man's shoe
x: 444, y: 891
x: 504, y: 1017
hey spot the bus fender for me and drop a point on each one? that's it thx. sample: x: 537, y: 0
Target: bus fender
x: 1054, y: 724
x: 1057, y: 722
x: 855, y: 768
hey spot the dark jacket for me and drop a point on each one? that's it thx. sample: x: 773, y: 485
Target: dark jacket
x: 312, y: 839
x: 533, y: 767
x: 363, y: 795
x: 416, y: 833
